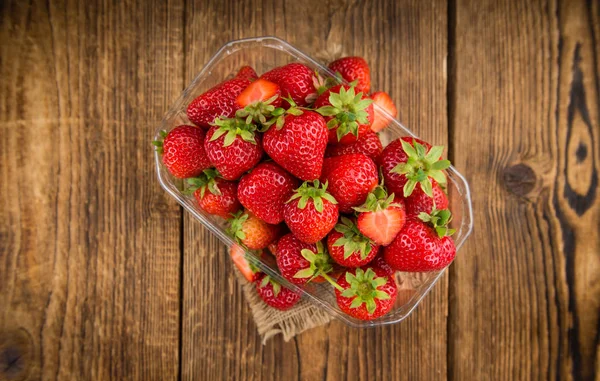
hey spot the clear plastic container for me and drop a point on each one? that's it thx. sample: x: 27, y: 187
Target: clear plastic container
x: 263, y: 54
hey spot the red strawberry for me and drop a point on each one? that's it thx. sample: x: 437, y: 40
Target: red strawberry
x: 381, y: 217
x: 183, y: 151
x: 247, y: 72
x: 380, y: 262
x: 233, y: 147
x: 301, y: 262
x: 297, y: 142
x: 276, y: 295
x: 348, y: 115
x: 419, y: 202
x: 311, y: 212
x: 295, y: 81
x: 368, y: 144
x: 423, y: 244
x: 252, y: 231
x: 265, y: 190
x: 354, y: 69
x: 366, y: 294
x: 408, y: 161
x: 348, y: 247
x: 218, y: 101
x: 383, y: 100
x: 238, y: 255
x: 350, y: 179
x: 260, y: 90
x: 221, y: 198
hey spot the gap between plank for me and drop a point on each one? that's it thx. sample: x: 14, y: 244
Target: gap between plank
x: 182, y: 217
x: 451, y: 109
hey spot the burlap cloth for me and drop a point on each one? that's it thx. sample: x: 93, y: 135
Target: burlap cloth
x: 270, y: 321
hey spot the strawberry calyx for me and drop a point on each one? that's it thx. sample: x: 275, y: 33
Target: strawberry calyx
x: 276, y: 286
x: 348, y: 110
x: 232, y: 128
x: 422, y: 166
x: 439, y: 220
x: 324, y: 84
x: 364, y: 288
x: 159, y: 142
x: 258, y: 111
x: 320, y: 264
x: 278, y: 115
x: 377, y: 200
x: 315, y: 191
x: 352, y: 240
x: 236, y: 225
x: 206, y: 180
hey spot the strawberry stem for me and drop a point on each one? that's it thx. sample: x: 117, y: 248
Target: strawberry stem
x: 331, y: 281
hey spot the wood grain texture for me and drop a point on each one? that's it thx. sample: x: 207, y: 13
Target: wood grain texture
x: 525, y: 301
x: 92, y: 283
x: 406, y: 43
x: 89, y: 244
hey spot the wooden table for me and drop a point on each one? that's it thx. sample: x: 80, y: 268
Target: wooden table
x: 103, y: 276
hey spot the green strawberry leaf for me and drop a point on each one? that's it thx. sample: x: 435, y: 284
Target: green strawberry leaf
x: 304, y: 273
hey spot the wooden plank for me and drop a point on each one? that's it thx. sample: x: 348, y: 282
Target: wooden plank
x: 525, y: 300
x: 89, y: 244
x: 407, y: 46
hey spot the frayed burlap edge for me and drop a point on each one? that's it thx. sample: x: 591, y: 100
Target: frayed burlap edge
x: 270, y: 322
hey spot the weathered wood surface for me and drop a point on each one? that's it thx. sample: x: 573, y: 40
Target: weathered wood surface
x: 90, y: 246
x: 525, y: 295
x: 102, y: 276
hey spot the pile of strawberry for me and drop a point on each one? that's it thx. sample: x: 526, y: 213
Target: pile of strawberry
x: 295, y: 164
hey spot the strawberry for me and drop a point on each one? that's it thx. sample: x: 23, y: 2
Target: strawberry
x: 275, y: 295
x: 248, y: 270
x: 381, y: 217
x: 295, y: 81
x: 423, y: 244
x: 297, y: 142
x: 366, y: 293
x: 368, y: 144
x: 380, y: 262
x: 419, y: 202
x: 383, y: 100
x: 218, y: 101
x: 259, y: 91
x: 221, y: 198
x: 252, y: 231
x: 409, y: 161
x: 350, y: 179
x: 349, y: 247
x: 259, y: 101
x: 311, y: 212
x: 301, y: 262
x: 265, y: 190
x: 182, y: 151
x: 354, y: 69
x: 247, y: 72
x: 348, y: 115
x: 233, y: 147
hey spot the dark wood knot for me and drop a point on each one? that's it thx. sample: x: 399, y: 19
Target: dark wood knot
x: 16, y: 352
x: 520, y: 179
